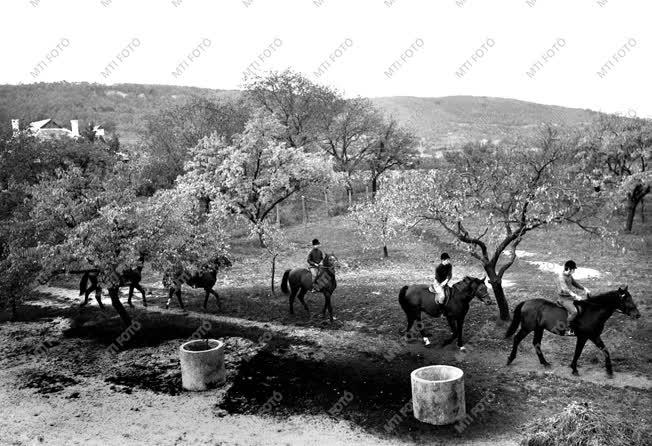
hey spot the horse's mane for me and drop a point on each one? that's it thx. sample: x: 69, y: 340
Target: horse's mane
x: 602, y: 298
x: 465, y: 280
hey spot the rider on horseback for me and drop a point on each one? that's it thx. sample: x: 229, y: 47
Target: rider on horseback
x: 443, y: 275
x: 567, y: 296
x: 315, y: 259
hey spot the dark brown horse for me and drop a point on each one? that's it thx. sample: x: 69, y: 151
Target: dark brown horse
x: 130, y: 277
x: 416, y: 298
x: 205, y: 277
x: 539, y: 314
x: 300, y: 281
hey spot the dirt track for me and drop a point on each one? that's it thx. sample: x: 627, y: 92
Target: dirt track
x: 77, y: 386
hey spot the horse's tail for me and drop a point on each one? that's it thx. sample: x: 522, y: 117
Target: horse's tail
x: 284, y: 282
x: 83, y: 283
x: 401, y: 297
x: 516, y: 320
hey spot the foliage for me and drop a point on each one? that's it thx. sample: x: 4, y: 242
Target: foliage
x: 170, y: 132
x: 254, y: 173
x: 273, y: 239
x: 489, y: 198
x: 349, y: 135
x: 299, y: 105
x: 377, y: 221
x: 615, y: 156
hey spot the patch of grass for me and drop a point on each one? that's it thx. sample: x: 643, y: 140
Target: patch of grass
x: 581, y: 425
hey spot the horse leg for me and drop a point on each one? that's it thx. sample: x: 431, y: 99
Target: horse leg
x: 303, y: 302
x: 131, y: 294
x: 179, y: 299
x: 142, y: 291
x: 460, y: 342
x: 89, y: 290
x: 522, y: 333
x: 422, y: 331
x: 327, y: 304
x: 607, y: 357
x: 217, y: 298
x: 98, y: 297
x: 208, y: 293
x: 167, y: 304
x: 453, y: 326
x: 293, y: 294
x: 536, y: 341
x: 579, y: 346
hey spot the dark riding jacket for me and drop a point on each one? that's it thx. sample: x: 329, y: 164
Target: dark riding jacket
x: 315, y: 257
x: 443, y: 272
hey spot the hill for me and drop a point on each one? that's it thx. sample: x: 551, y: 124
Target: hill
x: 439, y: 122
x: 452, y: 120
x: 120, y: 106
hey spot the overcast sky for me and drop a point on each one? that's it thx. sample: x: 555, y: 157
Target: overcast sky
x: 583, y: 53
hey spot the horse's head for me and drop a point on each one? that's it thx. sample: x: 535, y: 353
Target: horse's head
x: 331, y: 261
x: 626, y: 303
x: 221, y: 261
x: 479, y: 290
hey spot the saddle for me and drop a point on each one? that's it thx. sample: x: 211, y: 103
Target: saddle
x: 576, y: 303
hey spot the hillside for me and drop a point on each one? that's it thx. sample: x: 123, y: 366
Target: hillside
x: 440, y: 122
x: 120, y: 106
x: 452, y: 120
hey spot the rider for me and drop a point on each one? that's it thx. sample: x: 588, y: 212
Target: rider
x: 443, y: 275
x: 315, y: 259
x: 567, y: 296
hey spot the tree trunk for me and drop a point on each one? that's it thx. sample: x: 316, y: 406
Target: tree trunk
x: 115, y: 301
x: 631, y: 212
x: 385, y: 253
x: 633, y: 199
x: 374, y: 186
x: 273, y: 272
x: 497, y: 285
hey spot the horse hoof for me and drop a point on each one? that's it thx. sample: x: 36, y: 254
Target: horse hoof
x: 547, y: 365
x: 610, y: 374
x: 576, y: 373
x: 462, y: 349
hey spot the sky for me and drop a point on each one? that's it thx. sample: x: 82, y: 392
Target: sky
x: 592, y: 54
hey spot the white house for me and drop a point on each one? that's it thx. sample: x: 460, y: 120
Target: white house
x: 48, y: 128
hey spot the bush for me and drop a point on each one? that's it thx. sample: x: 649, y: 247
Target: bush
x: 579, y: 425
x: 338, y: 209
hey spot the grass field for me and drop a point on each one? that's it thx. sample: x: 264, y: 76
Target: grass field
x: 312, y: 363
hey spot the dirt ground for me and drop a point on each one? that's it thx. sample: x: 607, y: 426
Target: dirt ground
x: 61, y: 385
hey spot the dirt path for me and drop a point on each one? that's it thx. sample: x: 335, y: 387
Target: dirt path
x: 344, y: 339
x: 53, y: 402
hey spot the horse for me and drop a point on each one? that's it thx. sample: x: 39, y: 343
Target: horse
x: 130, y: 277
x: 540, y: 314
x: 204, y: 277
x: 416, y: 298
x: 300, y: 281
